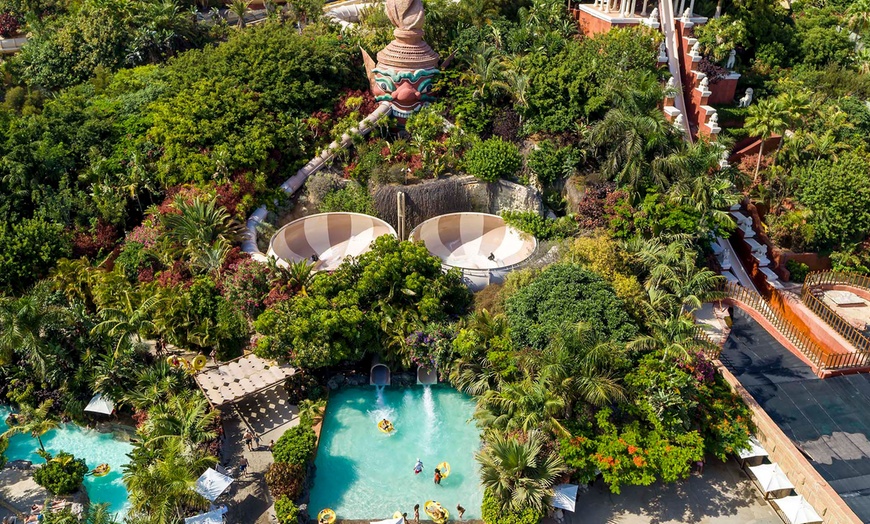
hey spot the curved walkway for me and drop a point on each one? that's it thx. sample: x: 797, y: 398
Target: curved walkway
x: 828, y: 420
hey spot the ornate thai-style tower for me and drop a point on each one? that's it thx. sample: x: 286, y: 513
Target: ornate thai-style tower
x: 406, y: 67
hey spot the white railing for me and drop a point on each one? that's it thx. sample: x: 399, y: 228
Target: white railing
x: 668, y: 25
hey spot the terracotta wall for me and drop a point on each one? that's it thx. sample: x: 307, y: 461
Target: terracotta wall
x: 791, y: 309
x: 815, y: 261
x: 752, y: 148
x: 795, y: 312
x: 723, y: 91
x: 807, y: 481
x: 590, y: 25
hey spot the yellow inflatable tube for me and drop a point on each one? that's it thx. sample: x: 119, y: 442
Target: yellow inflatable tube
x: 326, y: 516
x: 436, y: 512
x: 444, y: 468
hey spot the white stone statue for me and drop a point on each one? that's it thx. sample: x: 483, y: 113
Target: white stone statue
x: 654, y: 16
x: 732, y: 56
x: 680, y: 122
x: 671, y: 85
x: 696, y: 49
x: 714, y: 119
x: 747, y: 98
x: 687, y: 14
x: 663, y: 51
x: 705, y: 84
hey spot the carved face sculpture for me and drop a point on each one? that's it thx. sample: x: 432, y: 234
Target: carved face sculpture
x: 407, y: 91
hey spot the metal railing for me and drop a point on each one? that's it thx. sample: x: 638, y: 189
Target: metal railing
x: 816, y: 355
x: 819, y: 278
x: 710, y: 349
x: 853, y: 336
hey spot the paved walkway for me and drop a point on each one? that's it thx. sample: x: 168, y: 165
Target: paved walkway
x: 250, y: 502
x: 722, y: 495
x: 18, y: 490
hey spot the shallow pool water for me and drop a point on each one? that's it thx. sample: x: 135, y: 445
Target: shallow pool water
x: 363, y: 473
x: 95, y: 447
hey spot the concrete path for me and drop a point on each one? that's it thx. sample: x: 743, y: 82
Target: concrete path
x: 722, y: 495
x: 18, y: 489
x: 249, y: 499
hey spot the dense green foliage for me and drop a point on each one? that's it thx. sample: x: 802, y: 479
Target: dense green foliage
x: 540, y: 227
x: 367, y: 304
x: 493, y: 160
x: 798, y: 271
x: 839, y: 196
x: 492, y: 512
x: 295, y: 446
x: 286, y: 510
x: 122, y: 193
x: 62, y: 474
x: 563, y: 295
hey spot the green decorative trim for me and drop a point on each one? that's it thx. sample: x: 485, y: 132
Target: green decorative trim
x: 413, y: 76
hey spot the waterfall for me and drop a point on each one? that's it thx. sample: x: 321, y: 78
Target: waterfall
x: 381, y: 409
x: 429, y: 419
x: 379, y: 392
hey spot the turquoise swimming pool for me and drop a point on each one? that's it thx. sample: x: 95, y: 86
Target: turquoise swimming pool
x: 95, y: 447
x: 363, y: 473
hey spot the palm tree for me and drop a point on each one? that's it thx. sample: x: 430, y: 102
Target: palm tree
x: 580, y: 365
x: 709, y: 195
x: 240, y: 8
x: 35, y: 421
x: 199, y: 225
x: 154, y: 384
x: 132, y: 318
x: 517, y: 84
x: 161, y: 483
x: 485, y: 71
x: 24, y: 326
x: 524, y: 405
x: 211, y: 259
x: 312, y: 411
x: 74, y: 278
x: 672, y: 335
x: 673, y: 280
x: 300, y: 274
x: 100, y: 514
x: 519, y: 474
x: 765, y: 119
x: 185, y: 418
x: 641, y: 149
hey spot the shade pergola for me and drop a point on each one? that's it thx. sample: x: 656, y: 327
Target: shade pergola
x: 239, y: 378
x: 797, y: 510
x: 770, y: 478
